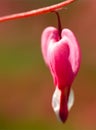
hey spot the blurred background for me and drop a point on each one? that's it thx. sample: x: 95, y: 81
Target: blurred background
x: 26, y: 85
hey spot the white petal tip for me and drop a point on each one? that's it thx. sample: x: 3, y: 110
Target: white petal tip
x: 70, y: 100
x: 56, y: 102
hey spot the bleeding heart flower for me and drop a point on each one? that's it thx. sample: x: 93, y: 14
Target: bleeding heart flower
x: 61, y: 53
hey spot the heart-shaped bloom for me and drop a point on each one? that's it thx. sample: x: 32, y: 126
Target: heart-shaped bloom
x: 62, y: 56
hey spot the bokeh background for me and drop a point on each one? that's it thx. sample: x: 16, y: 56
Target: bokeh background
x: 26, y: 86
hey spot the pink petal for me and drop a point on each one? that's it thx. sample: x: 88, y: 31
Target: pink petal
x: 48, y: 34
x: 75, y: 54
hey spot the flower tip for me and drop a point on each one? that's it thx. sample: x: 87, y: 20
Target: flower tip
x: 61, y: 111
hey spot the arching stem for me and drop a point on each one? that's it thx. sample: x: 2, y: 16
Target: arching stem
x: 36, y: 12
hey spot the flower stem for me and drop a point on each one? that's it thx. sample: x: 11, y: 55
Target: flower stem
x: 36, y: 11
x: 59, y: 23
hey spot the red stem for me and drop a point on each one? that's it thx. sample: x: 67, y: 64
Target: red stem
x: 36, y: 11
x: 59, y: 24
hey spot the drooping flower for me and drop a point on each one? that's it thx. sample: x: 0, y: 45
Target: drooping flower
x: 61, y: 54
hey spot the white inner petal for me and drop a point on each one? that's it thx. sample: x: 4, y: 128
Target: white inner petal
x: 70, y: 100
x: 56, y: 102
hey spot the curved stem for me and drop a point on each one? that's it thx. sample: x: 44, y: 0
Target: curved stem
x: 59, y: 23
x: 36, y: 12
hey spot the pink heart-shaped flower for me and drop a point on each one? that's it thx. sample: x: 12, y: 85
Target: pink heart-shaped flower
x: 62, y: 56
